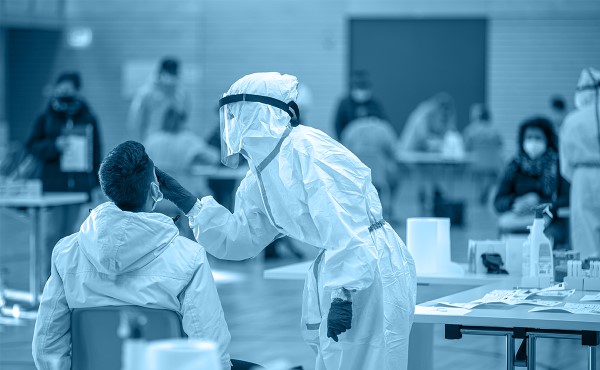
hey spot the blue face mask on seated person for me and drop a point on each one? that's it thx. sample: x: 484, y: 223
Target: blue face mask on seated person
x: 159, y: 195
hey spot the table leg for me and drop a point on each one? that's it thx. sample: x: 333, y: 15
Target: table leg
x: 510, y: 352
x: 420, y: 352
x: 35, y: 243
x: 531, y: 340
x: 592, y: 358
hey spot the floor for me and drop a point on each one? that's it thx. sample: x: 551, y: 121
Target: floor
x: 263, y: 315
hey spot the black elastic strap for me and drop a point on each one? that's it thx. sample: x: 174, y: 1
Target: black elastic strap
x: 291, y: 108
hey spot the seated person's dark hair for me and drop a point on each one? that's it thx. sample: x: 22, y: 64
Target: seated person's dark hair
x: 72, y: 77
x: 125, y: 175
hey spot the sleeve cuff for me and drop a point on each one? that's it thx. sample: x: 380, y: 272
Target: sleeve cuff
x: 193, y: 214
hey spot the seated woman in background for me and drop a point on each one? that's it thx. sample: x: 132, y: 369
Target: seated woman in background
x: 176, y: 149
x: 531, y: 178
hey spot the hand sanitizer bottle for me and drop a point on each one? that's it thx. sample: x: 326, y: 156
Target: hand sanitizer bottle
x: 540, y: 247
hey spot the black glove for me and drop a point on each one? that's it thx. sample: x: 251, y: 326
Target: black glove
x: 173, y: 191
x: 339, y: 319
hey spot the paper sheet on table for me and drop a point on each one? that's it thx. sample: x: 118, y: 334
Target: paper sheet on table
x: 516, y: 297
x: 75, y: 157
x: 575, y: 308
x: 443, y: 311
x: 591, y: 298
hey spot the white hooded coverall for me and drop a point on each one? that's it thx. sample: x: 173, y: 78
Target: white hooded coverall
x: 314, y: 190
x: 580, y: 164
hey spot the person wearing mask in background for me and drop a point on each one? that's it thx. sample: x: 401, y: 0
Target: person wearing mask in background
x: 148, y: 107
x: 558, y: 111
x: 580, y: 163
x: 176, y: 149
x: 373, y: 141
x: 531, y: 178
x: 124, y: 254
x: 360, y: 292
x: 484, y: 142
x: 359, y: 103
x: 67, y: 113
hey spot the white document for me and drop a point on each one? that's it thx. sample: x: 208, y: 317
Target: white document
x: 444, y: 311
x: 591, y: 298
x: 516, y: 297
x: 574, y: 308
x: 75, y: 158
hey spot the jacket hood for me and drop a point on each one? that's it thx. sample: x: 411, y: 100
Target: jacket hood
x: 116, y: 242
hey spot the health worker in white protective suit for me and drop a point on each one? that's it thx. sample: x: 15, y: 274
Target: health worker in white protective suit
x: 360, y: 292
x: 580, y: 164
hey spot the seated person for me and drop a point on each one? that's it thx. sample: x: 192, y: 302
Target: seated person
x: 532, y: 178
x: 125, y: 255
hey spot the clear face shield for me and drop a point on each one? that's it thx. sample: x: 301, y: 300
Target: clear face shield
x: 230, y: 145
x: 231, y: 127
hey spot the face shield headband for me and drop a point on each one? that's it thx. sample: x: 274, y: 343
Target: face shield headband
x: 229, y: 156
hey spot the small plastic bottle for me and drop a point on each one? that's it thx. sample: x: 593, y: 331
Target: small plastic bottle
x: 134, y: 346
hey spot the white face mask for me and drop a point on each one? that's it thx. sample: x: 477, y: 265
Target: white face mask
x: 159, y: 195
x: 534, y: 148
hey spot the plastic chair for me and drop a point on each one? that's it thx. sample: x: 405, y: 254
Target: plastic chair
x: 95, y: 344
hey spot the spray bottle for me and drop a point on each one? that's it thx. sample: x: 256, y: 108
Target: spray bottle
x: 538, y: 254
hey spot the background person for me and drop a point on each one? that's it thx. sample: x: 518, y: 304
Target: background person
x: 428, y: 124
x: 359, y: 103
x: 176, y: 149
x: 149, y: 106
x: 580, y: 163
x: 373, y: 141
x: 558, y: 110
x: 305, y: 185
x: 67, y: 111
x: 484, y: 142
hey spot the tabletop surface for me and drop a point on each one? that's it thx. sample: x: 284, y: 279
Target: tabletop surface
x: 431, y: 158
x: 44, y: 200
x: 504, y: 316
x: 297, y: 271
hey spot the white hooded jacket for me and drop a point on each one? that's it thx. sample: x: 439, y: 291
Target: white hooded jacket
x: 124, y: 258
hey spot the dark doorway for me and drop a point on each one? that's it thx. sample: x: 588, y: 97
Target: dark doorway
x: 409, y: 60
x: 30, y: 63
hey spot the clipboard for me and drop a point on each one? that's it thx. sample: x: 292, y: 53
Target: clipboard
x: 78, y: 155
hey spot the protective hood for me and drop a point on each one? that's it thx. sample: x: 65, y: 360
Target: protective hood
x: 587, y: 88
x: 116, y: 242
x: 254, y: 128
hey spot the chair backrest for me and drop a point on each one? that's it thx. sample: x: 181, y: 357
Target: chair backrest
x: 95, y: 343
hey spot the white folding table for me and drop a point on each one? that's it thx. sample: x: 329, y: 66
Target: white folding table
x: 512, y: 322
x: 35, y: 206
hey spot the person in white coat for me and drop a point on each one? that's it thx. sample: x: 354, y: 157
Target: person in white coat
x: 125, y: 255
x: 580, y: 164
x: 360, y: 292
